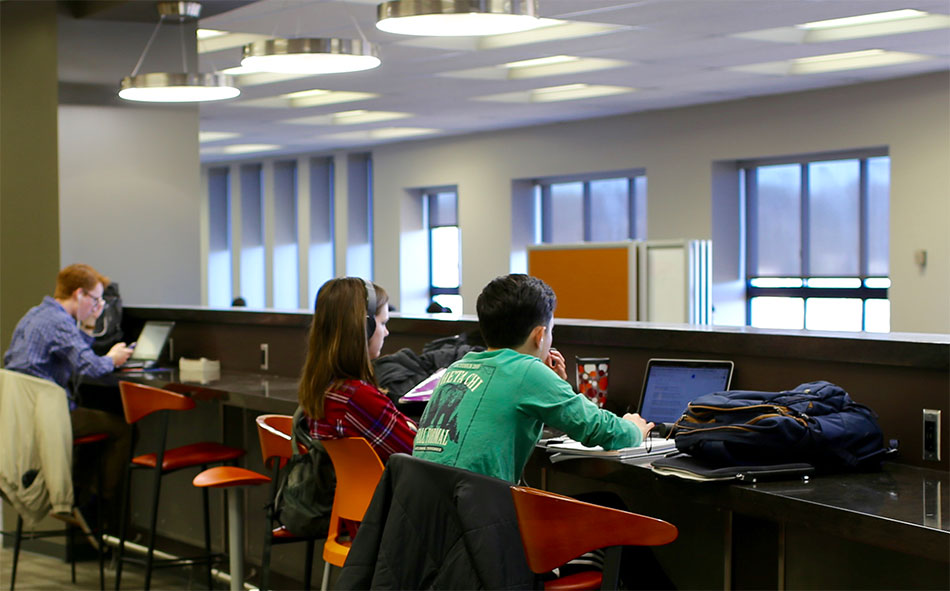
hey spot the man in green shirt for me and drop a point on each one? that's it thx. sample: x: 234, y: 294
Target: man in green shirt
x: 488, y: 410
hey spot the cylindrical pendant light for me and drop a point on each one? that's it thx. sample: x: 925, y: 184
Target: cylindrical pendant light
x: 175, y: 87
x: 165, y: 87
x: 457, y: 18
x: 310, y: 56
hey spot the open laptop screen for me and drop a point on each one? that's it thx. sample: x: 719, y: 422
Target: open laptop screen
x: 151, y: 341
x: 671, y: 384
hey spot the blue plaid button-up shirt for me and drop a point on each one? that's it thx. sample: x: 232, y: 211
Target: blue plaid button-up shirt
x: 47, y: 344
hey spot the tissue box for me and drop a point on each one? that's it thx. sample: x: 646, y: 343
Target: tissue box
x: 199, y: 370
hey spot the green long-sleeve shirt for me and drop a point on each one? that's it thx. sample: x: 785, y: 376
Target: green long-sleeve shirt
x: 488, y: 410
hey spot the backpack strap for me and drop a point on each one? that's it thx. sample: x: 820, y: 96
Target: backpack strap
x: 300, y: 431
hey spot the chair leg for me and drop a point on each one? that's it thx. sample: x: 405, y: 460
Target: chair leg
x: 100, y: 550
x: 309, y: 566
x: 611, y: 575
x: 71, y: 550
x: 149, y: 558
x: 207, y: 523
x: 265, y: 558
x: 325, y: 584
x: 16, y: 549
x: 123, y: 525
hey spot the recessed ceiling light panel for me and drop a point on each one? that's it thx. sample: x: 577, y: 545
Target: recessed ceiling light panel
x: 864, y: 19
x: 457, y: 18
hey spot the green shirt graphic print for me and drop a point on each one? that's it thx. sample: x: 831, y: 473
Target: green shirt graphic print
x: 487, y: 412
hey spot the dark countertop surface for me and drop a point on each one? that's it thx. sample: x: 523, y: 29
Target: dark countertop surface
x: 901, y: 507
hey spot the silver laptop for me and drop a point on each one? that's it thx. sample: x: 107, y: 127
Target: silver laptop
x: 671, y: 384
x: 150, y: 344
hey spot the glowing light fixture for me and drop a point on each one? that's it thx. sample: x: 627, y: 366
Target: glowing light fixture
x: 310, y: 56
x: 175, y: 87
x: 542, y: 61
x: 457, y: 18
x: 864, y: 19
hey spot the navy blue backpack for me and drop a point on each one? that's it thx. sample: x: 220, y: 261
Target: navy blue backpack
x: 816, y: 423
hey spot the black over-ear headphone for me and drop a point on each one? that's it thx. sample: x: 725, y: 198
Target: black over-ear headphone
x: 370, y: 308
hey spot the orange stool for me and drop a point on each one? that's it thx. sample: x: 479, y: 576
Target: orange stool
x: 358, y: 470
x: 139, y: 401
x: 274, y: 434
x: 232, y: 478
x: 555, y: 529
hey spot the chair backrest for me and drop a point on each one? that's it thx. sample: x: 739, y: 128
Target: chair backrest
x: 139, y: 400
x: 274, y: 434
x: 358, y: 470
x: 556, y: 529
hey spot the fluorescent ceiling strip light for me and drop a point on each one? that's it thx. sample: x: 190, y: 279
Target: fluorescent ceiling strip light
x: 301, y: 94
x: 309, y: 98
x: 565, y: 92
x: 573, y: 66
x: 864, y: 19
x: 541, y: 61
x: 383, y: 133
x: 854, y: 60
x: 817, y: 59
x: 248, y: 77
x: 364, y: 116
x: 353, y: 117
x: 816, y: 33
x: 569, y: 92
x: 216, y: 136
x: 228, y: 41
x: 247, y: 148
x: 210, y: 33
x: 550, y: 30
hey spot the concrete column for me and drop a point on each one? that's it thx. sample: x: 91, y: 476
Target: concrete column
x: 29, y: 180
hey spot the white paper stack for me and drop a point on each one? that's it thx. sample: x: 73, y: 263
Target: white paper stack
x: 201, y: 370
x: 650, y: 448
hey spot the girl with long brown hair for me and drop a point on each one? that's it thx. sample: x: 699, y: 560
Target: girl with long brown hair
x: 338, y: 389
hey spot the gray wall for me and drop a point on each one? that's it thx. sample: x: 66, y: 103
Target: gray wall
x: 678, y: 148
x: 129, y: 174
x: 129, y: 198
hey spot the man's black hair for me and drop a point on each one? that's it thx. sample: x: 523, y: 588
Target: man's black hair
x: 511, y: 306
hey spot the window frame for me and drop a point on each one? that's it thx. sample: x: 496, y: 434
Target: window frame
x: 544, y: 211
x: 428, y: 196
x: 749, y: 187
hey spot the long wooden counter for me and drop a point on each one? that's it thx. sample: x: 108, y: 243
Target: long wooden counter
x: 898, y: 375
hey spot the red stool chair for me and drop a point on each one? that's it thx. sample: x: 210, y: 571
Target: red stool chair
x: 73, y: 521
x: 139, y: 401
x: 555, y: 529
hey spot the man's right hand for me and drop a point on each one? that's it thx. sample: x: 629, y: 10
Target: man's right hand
x: 639, y: 422
x: 119, y: 353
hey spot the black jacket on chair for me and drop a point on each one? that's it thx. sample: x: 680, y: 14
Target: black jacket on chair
x: 431, y: 526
